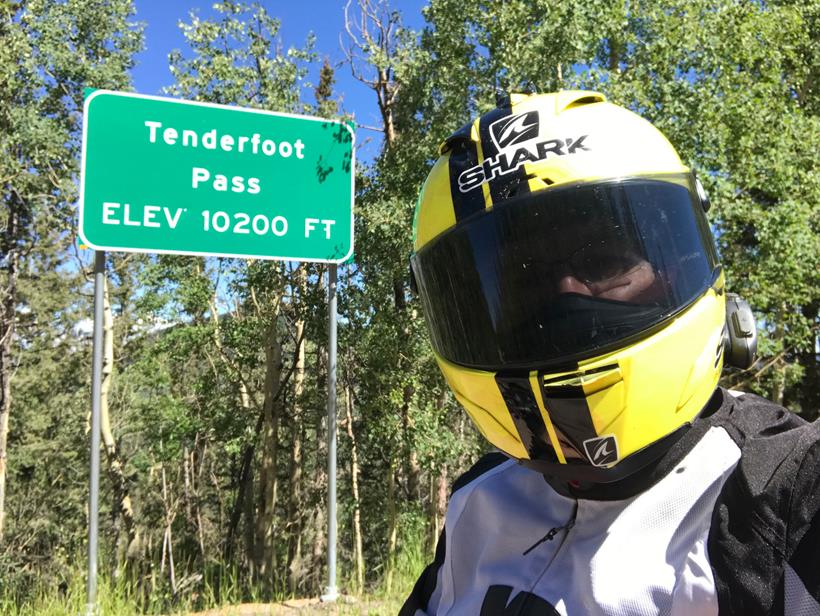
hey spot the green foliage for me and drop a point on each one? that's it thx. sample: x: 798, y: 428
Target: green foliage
x: 238, y: 61
x: 734, y: 86
x: 50, y: 52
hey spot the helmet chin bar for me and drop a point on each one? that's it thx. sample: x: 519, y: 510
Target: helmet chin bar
x: 630, y: 465
x: 739, y: 335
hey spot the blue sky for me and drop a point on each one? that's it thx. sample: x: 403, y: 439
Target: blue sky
x: 325, y: 18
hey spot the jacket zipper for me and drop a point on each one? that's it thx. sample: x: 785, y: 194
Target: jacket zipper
x: 551, y: 535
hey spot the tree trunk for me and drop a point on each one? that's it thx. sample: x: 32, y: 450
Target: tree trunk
x: 196, y: 505
x: 167, y: 538
x: 119, y: 485
x: 438, y: 501
x: 6, y: 336
x: 318, y: 555
x: 243, y: 504
x: 295, y: 568
x: 438, y: 508
x: 8, y: 304
x: 245, y: 498
x: 319, y: 483
x: 386, y: 91
x: 265, y: 516
x: 412, y: 468
x: 392, y: 525
x: 295, y: 504
x: 358, y: 552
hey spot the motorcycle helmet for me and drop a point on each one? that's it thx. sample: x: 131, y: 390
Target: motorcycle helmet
x: 570, y: 284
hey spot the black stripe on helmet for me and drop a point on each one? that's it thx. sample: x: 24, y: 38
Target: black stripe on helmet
x: 463, y: 156
x: 569, y: 411
x: 509, y: 184
x: 526, y: 416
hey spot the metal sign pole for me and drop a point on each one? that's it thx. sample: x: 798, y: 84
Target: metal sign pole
x: 331, y: 592
x: 96, y: 390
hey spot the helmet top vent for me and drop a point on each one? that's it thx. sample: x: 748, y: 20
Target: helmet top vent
x: 457, y: 140
x: 575, y: 98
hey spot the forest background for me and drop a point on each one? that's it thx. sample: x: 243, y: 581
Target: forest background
x: 214, y: 387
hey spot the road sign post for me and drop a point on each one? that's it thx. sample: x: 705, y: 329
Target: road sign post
x: 331, y: 592
x: 162, y: 175
x: 96, y: 420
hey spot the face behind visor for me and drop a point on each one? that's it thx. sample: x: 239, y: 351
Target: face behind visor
x: 570, y: 309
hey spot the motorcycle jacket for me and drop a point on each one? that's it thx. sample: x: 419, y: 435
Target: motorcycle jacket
x: 726, y: 522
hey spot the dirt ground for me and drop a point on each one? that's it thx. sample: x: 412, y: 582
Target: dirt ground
x: 347, y: 606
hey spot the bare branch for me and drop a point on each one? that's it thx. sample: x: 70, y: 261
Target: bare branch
x: 763, y: 369
x: 377, y: 129
x: 373, y: 43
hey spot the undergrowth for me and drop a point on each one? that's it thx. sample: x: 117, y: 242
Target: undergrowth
x: 120, y: 597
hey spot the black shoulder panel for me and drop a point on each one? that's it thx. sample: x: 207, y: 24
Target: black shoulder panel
x: 764, y: 508
x: 486, y: 463
x: 803, y: 538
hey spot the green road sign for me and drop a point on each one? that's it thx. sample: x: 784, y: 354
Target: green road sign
x: 164, y: 175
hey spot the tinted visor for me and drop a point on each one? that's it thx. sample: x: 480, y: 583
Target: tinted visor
x: 565, y: 273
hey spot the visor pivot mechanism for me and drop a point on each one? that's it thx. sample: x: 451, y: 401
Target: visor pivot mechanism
x: 705, y: 203
x: 740, y: 340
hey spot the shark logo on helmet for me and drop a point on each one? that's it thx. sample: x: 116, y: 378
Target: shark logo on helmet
x: 602, y: 450
x: 514, y: 129
x: 509, y: 160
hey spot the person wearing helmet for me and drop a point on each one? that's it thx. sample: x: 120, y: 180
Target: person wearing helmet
x: 578, y: 310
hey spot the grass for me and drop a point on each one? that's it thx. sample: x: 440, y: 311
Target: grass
x: 70, y: 600
x: 116, y: 597
x: 113, y: 601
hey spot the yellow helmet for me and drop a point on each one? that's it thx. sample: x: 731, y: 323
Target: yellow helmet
x: 570, y: 284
